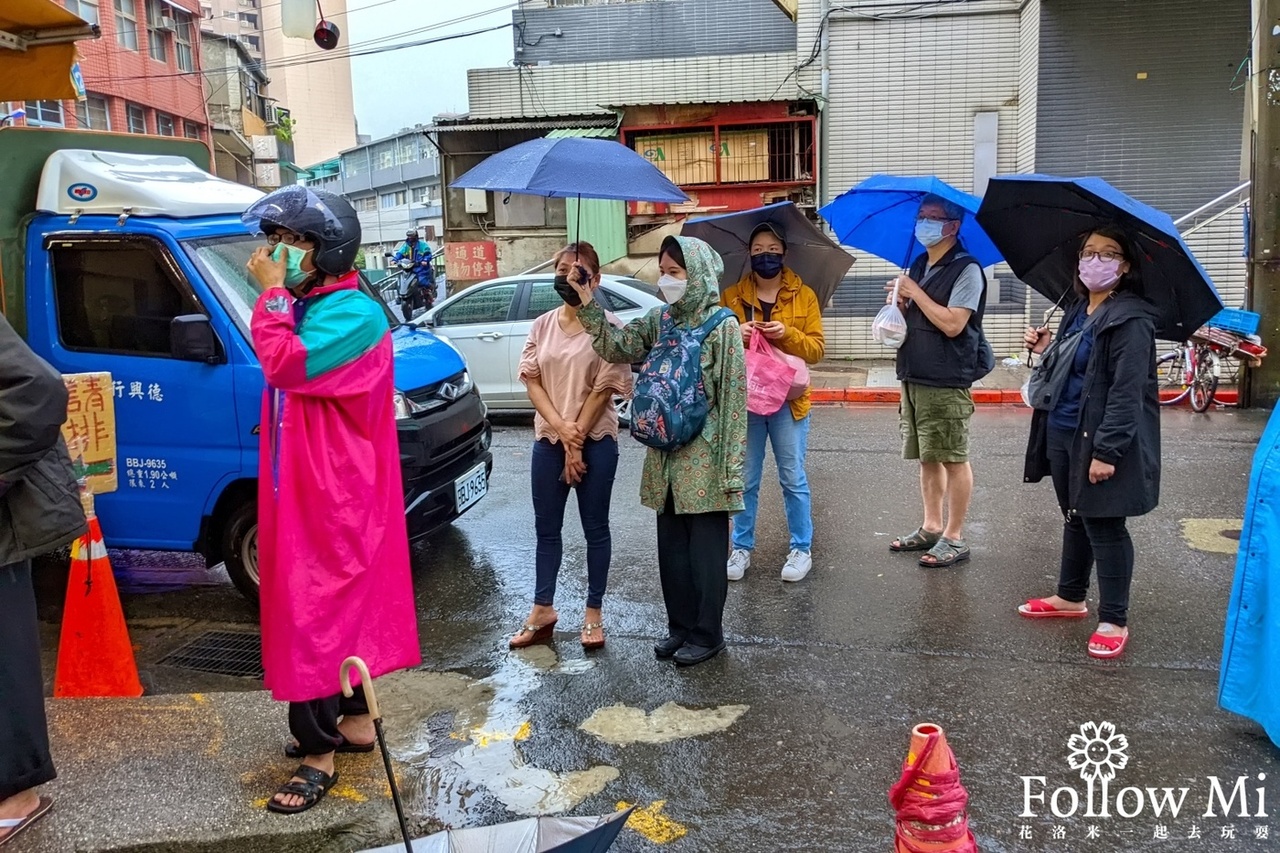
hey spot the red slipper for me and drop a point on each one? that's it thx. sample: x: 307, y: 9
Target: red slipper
x: 1114, y: 643
x: 1038, y: 608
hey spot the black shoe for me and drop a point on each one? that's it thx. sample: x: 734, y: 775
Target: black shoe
x: 691, y: 655
x: 667, y: 649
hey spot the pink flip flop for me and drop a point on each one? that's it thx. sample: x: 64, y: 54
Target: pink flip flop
x: 1114, y: 643
x: 1038, y: 608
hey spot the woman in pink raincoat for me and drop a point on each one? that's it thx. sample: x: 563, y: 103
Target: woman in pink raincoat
x: 333, y: 553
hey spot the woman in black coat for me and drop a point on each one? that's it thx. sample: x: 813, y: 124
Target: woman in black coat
x: 1101, y: 442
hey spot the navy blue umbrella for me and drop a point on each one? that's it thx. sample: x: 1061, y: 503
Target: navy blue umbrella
x: 879, y: 216
x: 572, y: 167
x: 1040, y: 221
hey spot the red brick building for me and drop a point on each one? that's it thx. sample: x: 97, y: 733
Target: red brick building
x: 142, y: 76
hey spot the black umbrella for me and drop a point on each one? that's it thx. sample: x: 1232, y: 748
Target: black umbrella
x: 1039, y: 221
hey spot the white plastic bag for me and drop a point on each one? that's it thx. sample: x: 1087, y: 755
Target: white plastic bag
x: 890, y: 327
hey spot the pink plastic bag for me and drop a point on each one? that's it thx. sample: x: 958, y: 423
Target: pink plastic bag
x: 800, y: 383
x: 769, y: 377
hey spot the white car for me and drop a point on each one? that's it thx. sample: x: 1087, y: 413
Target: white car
x: 489, y: 322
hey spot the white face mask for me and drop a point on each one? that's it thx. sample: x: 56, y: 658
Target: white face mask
x: 672, y: 288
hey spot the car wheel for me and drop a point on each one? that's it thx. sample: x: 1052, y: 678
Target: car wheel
x: 240, y: 546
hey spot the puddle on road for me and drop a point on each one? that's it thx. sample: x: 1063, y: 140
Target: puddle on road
x: 622, y: 725
x: 461, y: 737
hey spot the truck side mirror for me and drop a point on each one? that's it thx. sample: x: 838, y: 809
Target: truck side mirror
x: 191, y: 338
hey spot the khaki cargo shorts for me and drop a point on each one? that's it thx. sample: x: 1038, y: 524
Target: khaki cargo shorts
x: 935, y: 423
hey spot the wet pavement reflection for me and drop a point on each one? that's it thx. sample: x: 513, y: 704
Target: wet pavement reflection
x: 791, y: 739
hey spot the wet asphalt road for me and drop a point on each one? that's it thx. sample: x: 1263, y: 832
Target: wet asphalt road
x: 834, y: 671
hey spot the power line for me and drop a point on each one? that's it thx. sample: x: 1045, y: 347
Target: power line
x: 308, y: 60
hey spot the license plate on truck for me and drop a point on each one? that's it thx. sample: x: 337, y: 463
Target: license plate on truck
x: 470, y: 487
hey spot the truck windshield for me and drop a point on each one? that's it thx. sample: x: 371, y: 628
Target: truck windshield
x: 222, y: 260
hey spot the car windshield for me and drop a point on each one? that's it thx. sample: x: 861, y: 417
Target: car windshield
x: 222, y: 262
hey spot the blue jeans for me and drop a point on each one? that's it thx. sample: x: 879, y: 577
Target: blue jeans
x: 551, y: 493
x: 790, y: 440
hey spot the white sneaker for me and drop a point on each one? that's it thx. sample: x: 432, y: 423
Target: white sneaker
x: 739, y: 562
x: 797, y: 566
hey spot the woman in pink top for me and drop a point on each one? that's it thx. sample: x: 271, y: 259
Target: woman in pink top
x: 576, y: 446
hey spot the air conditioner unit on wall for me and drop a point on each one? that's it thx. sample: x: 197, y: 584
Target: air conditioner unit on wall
x: 167, y: 23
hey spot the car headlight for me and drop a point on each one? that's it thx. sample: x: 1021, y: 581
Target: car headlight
x: 404, y: 407
x: 465, y: 384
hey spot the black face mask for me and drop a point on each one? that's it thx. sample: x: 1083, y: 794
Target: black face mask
x: 567, y: 291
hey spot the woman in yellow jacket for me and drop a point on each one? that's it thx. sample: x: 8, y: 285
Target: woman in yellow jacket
x: 774, y: 302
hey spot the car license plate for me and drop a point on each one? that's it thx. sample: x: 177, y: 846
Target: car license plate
x: 470, y: 487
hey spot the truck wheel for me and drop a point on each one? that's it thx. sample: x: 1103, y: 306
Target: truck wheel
x: 240, y: 547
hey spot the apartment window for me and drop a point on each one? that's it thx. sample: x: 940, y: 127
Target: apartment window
x: 86, y: 9
x: 393, y: 199
x: 182, y: 44
x: 249, y: 20
x: 157, y: 38
x: 367, y: 204
x: 191, y: 131
x: 420, y: 195
x: 229, y: 13
x: 164, y: 125
x: 126, y: 24
x: 92, y: 113
x: 45, y: 113
x: 137, y: 118
x: 252, y: 42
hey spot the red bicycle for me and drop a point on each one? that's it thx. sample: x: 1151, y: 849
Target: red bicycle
x: 1194, y: 370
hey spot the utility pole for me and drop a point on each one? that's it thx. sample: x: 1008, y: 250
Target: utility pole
x: 1264, y: 202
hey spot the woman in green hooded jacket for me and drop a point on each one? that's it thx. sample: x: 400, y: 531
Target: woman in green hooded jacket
x: 693, y: 489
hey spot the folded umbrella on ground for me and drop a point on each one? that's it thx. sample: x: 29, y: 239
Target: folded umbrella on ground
x: 532, y: 835
x: 812, y: 255
x: 1039, y: 223
x: 879, y: 216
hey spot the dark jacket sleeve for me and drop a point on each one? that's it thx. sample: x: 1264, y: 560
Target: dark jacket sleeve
x: 33, y: 406
x: 1131, y: 360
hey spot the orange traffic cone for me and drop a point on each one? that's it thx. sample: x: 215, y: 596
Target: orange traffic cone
x: 95, y: 657
x: 929, y: 800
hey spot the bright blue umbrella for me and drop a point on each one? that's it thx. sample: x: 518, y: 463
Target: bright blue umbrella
x: 572, y: 167
x: 1040, y: 221
x: 879, y: 216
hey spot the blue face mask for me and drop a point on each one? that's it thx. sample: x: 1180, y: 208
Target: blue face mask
x: 294, y: 274
x: 766, y: 264
x: 929, y: 232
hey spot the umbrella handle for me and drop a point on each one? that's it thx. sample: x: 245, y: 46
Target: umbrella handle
x: 344, y: 677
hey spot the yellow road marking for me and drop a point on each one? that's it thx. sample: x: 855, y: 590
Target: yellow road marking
x: 1205, y: 534
x: 653, y: 824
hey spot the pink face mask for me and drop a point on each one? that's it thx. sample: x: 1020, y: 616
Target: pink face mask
x: 1097, y: 274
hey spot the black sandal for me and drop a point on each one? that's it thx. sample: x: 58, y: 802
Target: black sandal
x: 316, y: 783
x: 294, y: 751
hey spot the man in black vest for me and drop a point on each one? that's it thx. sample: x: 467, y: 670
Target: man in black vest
x: 943, y: 354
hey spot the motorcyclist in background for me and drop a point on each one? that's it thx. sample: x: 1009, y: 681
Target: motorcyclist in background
x: 418, y: 252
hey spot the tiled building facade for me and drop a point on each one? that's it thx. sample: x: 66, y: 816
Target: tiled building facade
x: 142, y: 76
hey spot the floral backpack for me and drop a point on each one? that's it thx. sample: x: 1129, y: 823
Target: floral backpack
x: 669, y: 405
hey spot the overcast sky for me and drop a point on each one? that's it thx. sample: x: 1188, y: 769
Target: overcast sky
x: 401, y: 88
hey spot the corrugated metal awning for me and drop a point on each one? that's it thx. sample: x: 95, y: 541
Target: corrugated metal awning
x: 606, y: 123
x: 584, y: 132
